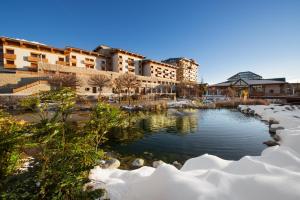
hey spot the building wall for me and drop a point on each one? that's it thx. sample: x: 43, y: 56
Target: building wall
x: 160, y: 71
x: 81, y: 58
x: 186, y: 69
x: 113, y: 61
x: 22, y: 54
x: 275, y: 88
x: 121, y: 63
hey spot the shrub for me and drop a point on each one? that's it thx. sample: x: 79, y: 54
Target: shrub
x: 30, y: 103
x: 11, y: 140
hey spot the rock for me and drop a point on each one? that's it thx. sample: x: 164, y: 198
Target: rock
x: 273, y: 121
x: 252, y: 112
x: 112, y: 164
x: 138, y: 162
x: 177, y: 164
x: 270, y: 143
x: 274, y: 127
x: 276, y: 137
x: 155, y: 164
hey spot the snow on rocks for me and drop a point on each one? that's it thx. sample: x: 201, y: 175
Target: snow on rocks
x: 138, y: 162
x: 155, y: 164
x: 273, y: 175
x: 177, y: 164
x: 112, y: 163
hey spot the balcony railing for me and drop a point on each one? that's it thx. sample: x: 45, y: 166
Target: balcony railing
x: 37, y: 59
x: 10, y: 66
x: 73, y: 60
x: 9, y: 56
x: 87, y: 62
x: 61, y: 62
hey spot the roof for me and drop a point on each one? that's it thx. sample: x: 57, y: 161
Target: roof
x: 244, y: 75
x: 62, y: 50
x: 223, y: 84
x: 249, y: 82
x: 263, y: 82
x: 22, y: 41
x: 113, y: 50
x: 159, y: 63
x: 178, y: 59
x: 83, y: 51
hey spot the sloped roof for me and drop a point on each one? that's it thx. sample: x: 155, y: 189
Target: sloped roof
x: 249, y: 82
x: 263, y: 82
x: 244, y: 75
x: 178, y: 59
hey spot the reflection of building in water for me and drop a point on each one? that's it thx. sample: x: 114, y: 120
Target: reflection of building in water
x: 156, y: 122
x: 179, y: 121
x: 187, y: 124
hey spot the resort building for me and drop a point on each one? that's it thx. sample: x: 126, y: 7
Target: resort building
x: 186, y: 68
x: 253, y: 83
x: 25, y: 67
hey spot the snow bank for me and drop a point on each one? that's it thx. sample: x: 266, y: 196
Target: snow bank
x: 274, y: 175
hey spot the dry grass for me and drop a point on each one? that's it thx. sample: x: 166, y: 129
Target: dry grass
x: 236, y: 102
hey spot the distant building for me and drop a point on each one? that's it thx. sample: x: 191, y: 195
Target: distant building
x: 253, y: 83
x: 23, y: 63
x: 187, y: 68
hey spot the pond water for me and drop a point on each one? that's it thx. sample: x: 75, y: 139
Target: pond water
x: 182, y: 134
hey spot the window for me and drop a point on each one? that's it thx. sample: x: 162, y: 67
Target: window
x: 10, y: 51
x: 120, y: 63
x: 61, y: 59
x: 103, y: 62
x: 120, y: 56
x: 87, y: 89
x: 43, y: 56
x: 74, y: 64
x: 74, y: 57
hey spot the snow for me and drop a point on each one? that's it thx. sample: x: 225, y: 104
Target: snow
x: 34, y: 42
x: 275, y: 174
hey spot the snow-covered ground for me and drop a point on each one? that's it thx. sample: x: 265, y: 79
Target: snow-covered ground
x: 274, y: 175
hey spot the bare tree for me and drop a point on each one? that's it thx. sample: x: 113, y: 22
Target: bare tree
x: 182, y: 88
x: 58, y: 81
x: 99, y: 81
x: 129, y: 82
x: 118, y: 86
x: 231, y: 92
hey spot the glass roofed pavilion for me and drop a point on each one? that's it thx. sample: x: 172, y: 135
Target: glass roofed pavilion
x: 253, y: 83
x: 245, y: 75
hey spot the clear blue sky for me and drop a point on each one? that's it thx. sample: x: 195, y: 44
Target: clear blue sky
x: 224, y: 36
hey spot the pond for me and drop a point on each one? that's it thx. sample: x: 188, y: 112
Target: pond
x: 182, y: 134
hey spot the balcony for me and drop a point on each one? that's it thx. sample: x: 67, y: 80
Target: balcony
x: 88, y: 62
x: 9, y: 56
x: 36, y: 59
x: 10, y: 66
x: 73, y: 60
x: 61, y: 62
x: 33, y: 59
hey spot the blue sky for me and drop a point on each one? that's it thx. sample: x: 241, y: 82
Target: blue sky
x: 224, y: 36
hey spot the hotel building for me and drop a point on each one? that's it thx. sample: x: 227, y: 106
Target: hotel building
x: 25, y: 67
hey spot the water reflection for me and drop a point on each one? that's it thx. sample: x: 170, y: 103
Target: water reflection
x: 181, y: 134
x: 143, y: 124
